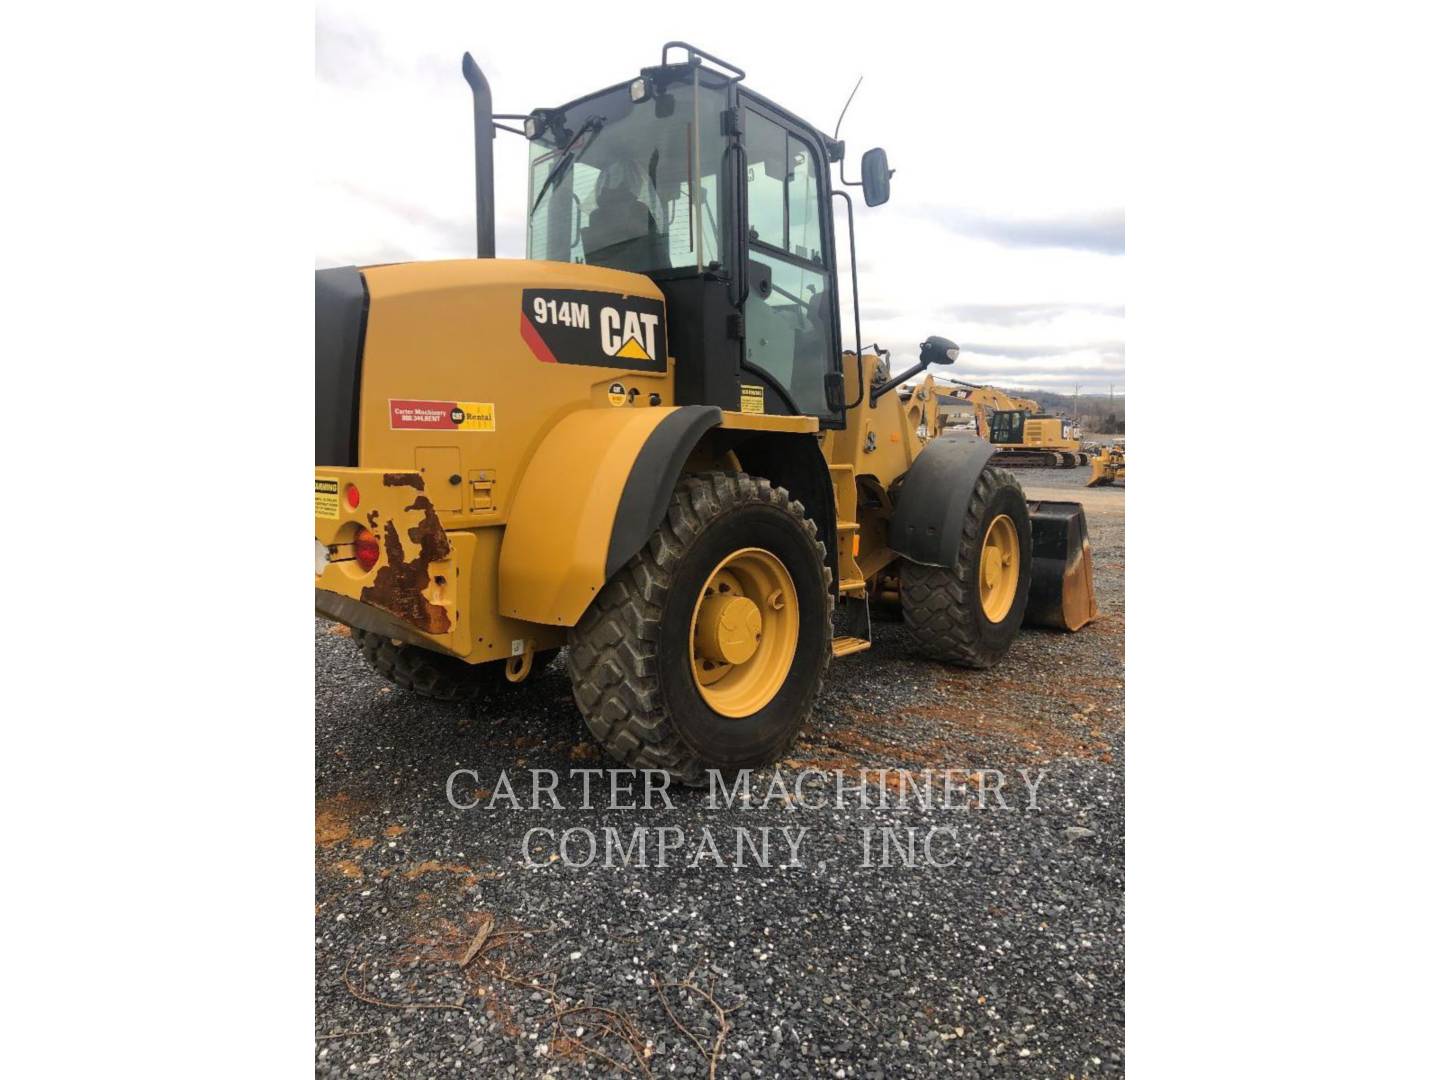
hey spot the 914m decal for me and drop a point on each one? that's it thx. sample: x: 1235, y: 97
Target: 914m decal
x: 598, y: 329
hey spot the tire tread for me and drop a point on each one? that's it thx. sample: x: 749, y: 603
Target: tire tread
x: 614, y: 648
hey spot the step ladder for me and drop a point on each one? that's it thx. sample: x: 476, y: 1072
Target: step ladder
x: 852, y: 626
x: 852, y: 629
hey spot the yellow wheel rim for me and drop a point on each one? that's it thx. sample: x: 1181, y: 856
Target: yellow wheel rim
x: 743, y: 632
x: 999, y: 568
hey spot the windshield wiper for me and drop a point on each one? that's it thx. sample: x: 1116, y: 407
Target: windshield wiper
x: 567, y: 155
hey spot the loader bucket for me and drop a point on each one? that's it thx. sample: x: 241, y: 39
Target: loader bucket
x: 1062, y: 584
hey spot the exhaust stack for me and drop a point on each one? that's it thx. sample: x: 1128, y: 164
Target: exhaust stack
x: 484, y: 158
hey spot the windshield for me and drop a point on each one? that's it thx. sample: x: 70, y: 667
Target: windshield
x: 632, y: 186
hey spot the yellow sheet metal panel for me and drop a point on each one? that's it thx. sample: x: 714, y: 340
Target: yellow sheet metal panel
x: 413, y: 578
x: 439, y: 586
x: 552, y: 559
x: 878, y: 440
x: 877, y: 446
x: 492, y: 636
x: 460, y: 337
x: 769, y: 422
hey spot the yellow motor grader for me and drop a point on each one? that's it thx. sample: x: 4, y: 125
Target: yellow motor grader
x: 645, y: 443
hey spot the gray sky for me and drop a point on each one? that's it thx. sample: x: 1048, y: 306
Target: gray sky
x: 1005, y: 229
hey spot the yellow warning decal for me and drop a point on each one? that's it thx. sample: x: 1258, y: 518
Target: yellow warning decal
x: 327, y: 497
x: 752, y: 399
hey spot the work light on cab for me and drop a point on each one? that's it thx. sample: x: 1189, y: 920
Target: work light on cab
x: 367, y: 550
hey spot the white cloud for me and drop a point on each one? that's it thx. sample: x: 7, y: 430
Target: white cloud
x: 1003, y: 127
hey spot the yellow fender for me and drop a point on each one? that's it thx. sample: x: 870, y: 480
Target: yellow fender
x: 592, y: 495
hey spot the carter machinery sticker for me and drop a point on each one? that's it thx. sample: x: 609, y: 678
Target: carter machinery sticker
x: 598, y: 329
x: 442, y: 415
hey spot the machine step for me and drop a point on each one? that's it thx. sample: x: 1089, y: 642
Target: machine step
x: 852, y: 624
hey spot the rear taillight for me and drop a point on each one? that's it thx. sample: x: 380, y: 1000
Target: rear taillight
x: 367, y: 550
x: 352, y: 496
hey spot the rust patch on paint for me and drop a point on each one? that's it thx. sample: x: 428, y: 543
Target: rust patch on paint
x: 404, y: 479
x: 399, y: 586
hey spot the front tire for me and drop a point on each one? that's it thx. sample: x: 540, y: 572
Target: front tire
x: 969, y: 613
x: 708, y: 648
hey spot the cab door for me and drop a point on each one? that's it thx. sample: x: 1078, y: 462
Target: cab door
x: 791, y: 311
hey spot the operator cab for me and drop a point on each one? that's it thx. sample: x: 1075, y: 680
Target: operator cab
x: 723, y: 199
x: 1007, y: 426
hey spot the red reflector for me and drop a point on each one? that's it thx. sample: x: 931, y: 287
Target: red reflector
x: 367, y: 549
x: 352, y: 495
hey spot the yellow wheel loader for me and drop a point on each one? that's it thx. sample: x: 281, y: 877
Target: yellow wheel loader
x: 645, y: 443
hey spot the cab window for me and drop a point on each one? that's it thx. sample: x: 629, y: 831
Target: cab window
x: 787, y: 333
x: 1007, y: 427
x: 789, y: 328
x: 803, y: 204
x: 783, y: 189
x: 631, y: 185
x: 765, y: 151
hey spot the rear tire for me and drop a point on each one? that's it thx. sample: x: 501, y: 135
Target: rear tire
x: 943, y: 607
x: 435, y: 675
x: 632, y: 657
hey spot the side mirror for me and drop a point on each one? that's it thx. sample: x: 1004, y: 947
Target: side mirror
x: 875, y: 173
x: 939, y: 351
x: 933, y: 350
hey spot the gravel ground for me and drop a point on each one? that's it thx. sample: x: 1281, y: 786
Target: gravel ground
x: 1009, y: 962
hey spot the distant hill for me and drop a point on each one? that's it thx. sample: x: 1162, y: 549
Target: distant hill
x: 1092, y: 410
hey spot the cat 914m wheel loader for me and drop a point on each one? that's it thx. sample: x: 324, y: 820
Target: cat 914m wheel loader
x: 645, y: 442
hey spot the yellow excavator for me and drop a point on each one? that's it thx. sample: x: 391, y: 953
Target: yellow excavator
x: 1024, y: 435
x: 644, y: 443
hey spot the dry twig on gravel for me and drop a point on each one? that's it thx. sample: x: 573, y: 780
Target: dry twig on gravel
x: 345, y: 978
x: 721, y: 1016
x: 347, y: 1034
x: 487, y: 923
